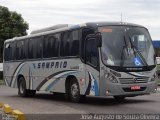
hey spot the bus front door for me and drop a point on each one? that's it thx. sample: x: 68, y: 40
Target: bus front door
x: 92, y: 67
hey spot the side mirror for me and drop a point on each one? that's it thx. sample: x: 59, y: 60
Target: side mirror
x: 98, y: 37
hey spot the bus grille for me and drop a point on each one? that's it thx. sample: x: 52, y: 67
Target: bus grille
x: 132, y: 80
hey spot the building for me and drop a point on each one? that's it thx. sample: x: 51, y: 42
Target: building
x: 156, y: 44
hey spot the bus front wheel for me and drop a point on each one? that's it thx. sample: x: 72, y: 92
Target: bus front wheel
x: 74, y: 91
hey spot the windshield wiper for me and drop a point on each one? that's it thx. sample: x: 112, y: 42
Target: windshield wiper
x: 135, y: 50
x: 122, y: 54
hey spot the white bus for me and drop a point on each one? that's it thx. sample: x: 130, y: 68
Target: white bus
x: 96, y: 59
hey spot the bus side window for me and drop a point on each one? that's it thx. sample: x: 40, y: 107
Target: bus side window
x: 26, y: 49
x: 69, y: 43
x: 51, y: 46
x: 74, y: 43
x: 9, y: 51
x: 56, y: 45
x: 31, y: 49
x: 39, y: 47
x: 35, y: 48
x: 20, y: 50
x: 65, y: 44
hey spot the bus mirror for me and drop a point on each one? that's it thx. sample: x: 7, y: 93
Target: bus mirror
x: 98, y: 40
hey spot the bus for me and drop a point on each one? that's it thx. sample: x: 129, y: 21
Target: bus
x: 91, y: 59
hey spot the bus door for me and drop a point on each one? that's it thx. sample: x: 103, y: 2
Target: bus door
x: 92, y: 66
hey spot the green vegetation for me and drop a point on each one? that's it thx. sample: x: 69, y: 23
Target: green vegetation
x: 11, y: 25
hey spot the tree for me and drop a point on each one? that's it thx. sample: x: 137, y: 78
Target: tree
x: 11, y: 25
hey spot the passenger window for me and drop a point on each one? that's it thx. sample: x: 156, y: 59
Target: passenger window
x: 35, y: 48
x: 20, y: 53
x: 7, y: 52
x: 10, y: 51
x: 25, y: 49
x: 32, y: 49
x: 74, y: 43
x: 51, y: 46
x: 65, y: 44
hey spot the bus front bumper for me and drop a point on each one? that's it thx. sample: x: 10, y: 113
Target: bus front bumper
x: 117, y: 89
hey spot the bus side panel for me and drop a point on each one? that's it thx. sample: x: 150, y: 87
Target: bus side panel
x: 50, y: 75
x: 23, y: 71
x: 79, y: 74
x: 12, y: 71
x: 9, y: 70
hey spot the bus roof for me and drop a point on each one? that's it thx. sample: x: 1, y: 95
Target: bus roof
x: 64, y: 27
x: 98, y: 24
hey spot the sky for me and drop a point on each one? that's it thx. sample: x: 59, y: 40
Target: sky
x: 45, y: 13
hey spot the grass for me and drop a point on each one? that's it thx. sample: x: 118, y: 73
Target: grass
x: 2, y: 82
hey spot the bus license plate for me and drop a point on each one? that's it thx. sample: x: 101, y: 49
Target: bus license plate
x: 135, y: 87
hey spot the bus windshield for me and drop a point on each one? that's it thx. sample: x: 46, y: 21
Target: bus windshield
x: 126, y: 46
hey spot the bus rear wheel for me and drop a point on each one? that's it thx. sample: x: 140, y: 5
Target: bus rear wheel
x: 22, y: 91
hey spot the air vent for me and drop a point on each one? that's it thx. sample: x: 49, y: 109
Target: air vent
x: 133, y: 80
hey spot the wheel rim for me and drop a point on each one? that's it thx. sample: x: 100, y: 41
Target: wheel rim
x: 21, y: 87
x: 74, y: 90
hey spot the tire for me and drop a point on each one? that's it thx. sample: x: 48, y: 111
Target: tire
x: 119, y: 97
x: 74, y: 91
x: 22, y: 87
x: 22, y: 91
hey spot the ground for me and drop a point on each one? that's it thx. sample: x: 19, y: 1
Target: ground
x: 46, y: 103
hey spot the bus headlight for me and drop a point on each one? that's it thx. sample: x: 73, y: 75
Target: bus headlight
x: 154, y: 77
x: 111, y: 78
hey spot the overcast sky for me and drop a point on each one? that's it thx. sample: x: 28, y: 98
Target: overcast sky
x: 44, y: 13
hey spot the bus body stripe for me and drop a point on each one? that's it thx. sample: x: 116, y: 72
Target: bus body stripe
x: 92, y: 88
x: 49, y: 77
x: 52, y: 82
x: 14, y: 77
x: 89, y: 85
